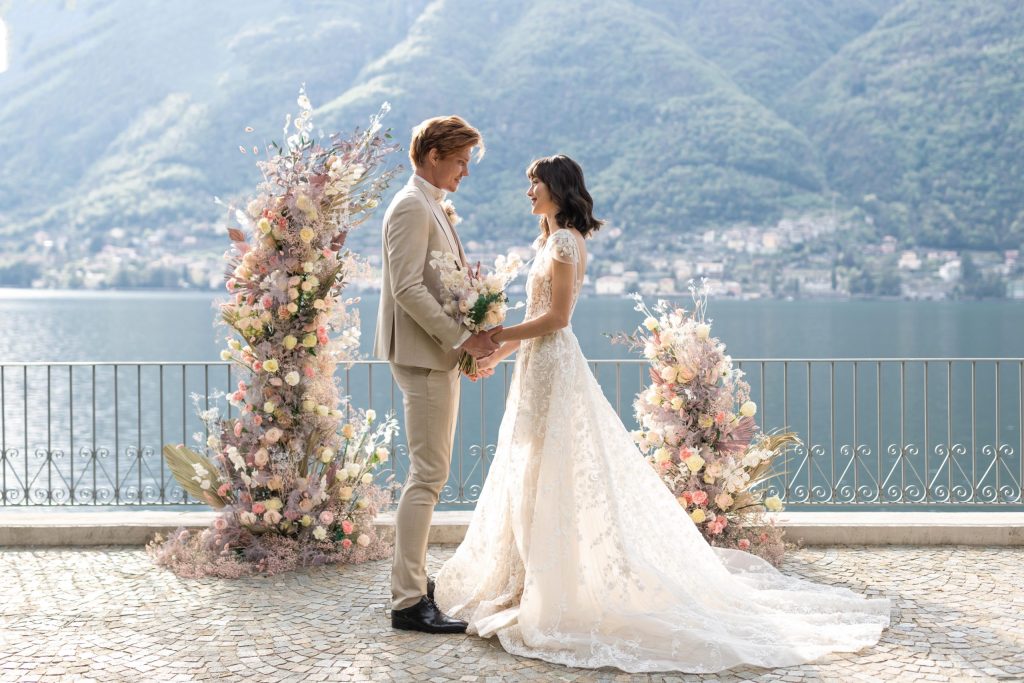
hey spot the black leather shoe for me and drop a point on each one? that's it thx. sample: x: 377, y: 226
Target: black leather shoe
x: 426, y: 617
x: 430, y: 588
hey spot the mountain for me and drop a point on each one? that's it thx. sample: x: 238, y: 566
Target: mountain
x: 921, y: 120
x: 125, y: 117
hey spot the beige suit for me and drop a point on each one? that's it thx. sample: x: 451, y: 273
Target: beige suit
x: 420, y: 340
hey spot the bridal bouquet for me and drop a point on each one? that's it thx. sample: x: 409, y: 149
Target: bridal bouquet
x: 474, y: 297
x: 697, y: 428
x: 293, y: 473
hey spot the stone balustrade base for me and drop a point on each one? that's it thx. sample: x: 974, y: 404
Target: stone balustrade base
x: 72, y: 528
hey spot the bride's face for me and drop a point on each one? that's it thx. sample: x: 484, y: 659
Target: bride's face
x: 540, y: 198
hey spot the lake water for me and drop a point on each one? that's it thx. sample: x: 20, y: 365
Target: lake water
x: 878, y: 432
x: 159, y: 326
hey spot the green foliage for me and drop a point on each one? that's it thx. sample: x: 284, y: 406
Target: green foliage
x: 685, y: 115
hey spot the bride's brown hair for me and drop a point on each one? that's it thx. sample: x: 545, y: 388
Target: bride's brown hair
x: 564, y: 180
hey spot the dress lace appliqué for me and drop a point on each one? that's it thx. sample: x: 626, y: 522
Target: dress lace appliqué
x: 578, y: 554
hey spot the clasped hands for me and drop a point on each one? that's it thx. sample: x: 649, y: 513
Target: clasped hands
x: 482, y: 346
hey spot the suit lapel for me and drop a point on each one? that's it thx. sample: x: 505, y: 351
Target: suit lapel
x: 446, y: 226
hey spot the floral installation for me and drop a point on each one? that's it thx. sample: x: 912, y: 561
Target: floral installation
x: 474, y: 297
x: 697, y: 428
x: 293, y: 474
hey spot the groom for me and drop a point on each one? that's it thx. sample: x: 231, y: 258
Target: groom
x: 423, y: 345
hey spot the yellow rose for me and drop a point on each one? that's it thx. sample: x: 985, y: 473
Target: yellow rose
x: 773, y: 504
x: 322, y: 410
x: 698, y: 515
x: 306, y: 520
x: 748, y: 409
x: 269, y: 407
x: 289, y: 342
x: 271, y: 365
x: 307, y: 235
x: 706, y: 421
x: 309, y: 341
x: 694, y: 463
x: 662, y: 455
x: 326, y: 455
x: 308, y: 406
x: 345, y: 493
x: 264, y: 226
x: 293, y: 307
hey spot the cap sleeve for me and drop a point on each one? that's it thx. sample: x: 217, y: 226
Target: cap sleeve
x: 564, y: 248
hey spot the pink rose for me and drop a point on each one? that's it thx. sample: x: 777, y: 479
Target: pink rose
x: 744, y: 544
x: 257, y: 365
x: 346, y: 527
x: 223, y: 490
x: 230, y: 284
x: 242, y: 386
x: 267, y: 302
x: 238, y: 428
x: 699, y: 497
x: 720, y: 417
x: 273, y: 435
x: 321, y: 335
x: 220, y: 524
x: 326, y: 517
x: 259, y: 508
x: 346, y: 544
x: 257, y: 420
x: 308, y: 371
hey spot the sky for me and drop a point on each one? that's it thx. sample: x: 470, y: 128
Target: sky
x: 3, y: 46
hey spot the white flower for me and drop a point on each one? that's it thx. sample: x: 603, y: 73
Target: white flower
x: 371, y: 415
x: 319, y: 533
x: 367, y: 478
x: 773, y: 503
x: 703, y: 331
x: 292, y: 378
x: 363, y: 540
x: 748, y: 409
x: 247, y: 518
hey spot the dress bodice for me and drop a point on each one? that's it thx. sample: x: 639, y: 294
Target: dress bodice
x: 559, y: 246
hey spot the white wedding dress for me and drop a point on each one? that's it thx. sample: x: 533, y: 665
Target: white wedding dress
x: 578, y: 554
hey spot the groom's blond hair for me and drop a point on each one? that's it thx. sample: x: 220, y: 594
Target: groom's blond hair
x: 446, y: 134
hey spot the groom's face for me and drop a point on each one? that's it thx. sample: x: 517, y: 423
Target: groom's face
x: 450, y: 170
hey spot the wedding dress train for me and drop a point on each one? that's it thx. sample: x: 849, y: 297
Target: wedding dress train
x: 578, y: 554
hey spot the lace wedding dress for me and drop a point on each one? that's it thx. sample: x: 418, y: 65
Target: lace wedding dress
x: 578, y: 554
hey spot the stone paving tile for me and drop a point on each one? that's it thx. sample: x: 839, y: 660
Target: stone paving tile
x: 109, y: 615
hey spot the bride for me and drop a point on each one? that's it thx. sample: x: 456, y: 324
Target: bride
x: 577, y: 552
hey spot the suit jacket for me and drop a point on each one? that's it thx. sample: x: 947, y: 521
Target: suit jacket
x: 412, y: 328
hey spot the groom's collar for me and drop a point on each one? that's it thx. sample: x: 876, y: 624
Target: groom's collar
x: 437, y: 193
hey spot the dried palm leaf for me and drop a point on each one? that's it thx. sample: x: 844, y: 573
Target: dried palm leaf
x: 182, y: 461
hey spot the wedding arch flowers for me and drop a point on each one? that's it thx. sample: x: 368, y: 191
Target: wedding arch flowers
x: 697, y: 428
x: 293, y: 473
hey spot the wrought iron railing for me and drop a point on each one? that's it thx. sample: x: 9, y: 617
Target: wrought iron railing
x: 933, y: 432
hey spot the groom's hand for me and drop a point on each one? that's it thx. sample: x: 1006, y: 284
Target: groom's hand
x: 480, y: 345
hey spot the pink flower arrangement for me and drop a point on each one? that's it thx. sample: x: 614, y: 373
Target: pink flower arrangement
x: 697, y: 427
x: 284, y: 462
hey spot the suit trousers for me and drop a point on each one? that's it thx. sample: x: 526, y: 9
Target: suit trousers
x: 431, y: 402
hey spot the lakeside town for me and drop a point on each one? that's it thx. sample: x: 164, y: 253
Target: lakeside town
x: 814, y: 256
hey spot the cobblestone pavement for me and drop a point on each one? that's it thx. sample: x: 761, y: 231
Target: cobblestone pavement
x: 110, y: 615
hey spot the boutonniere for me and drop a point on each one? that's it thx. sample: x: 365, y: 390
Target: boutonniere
x: 449, y: 210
